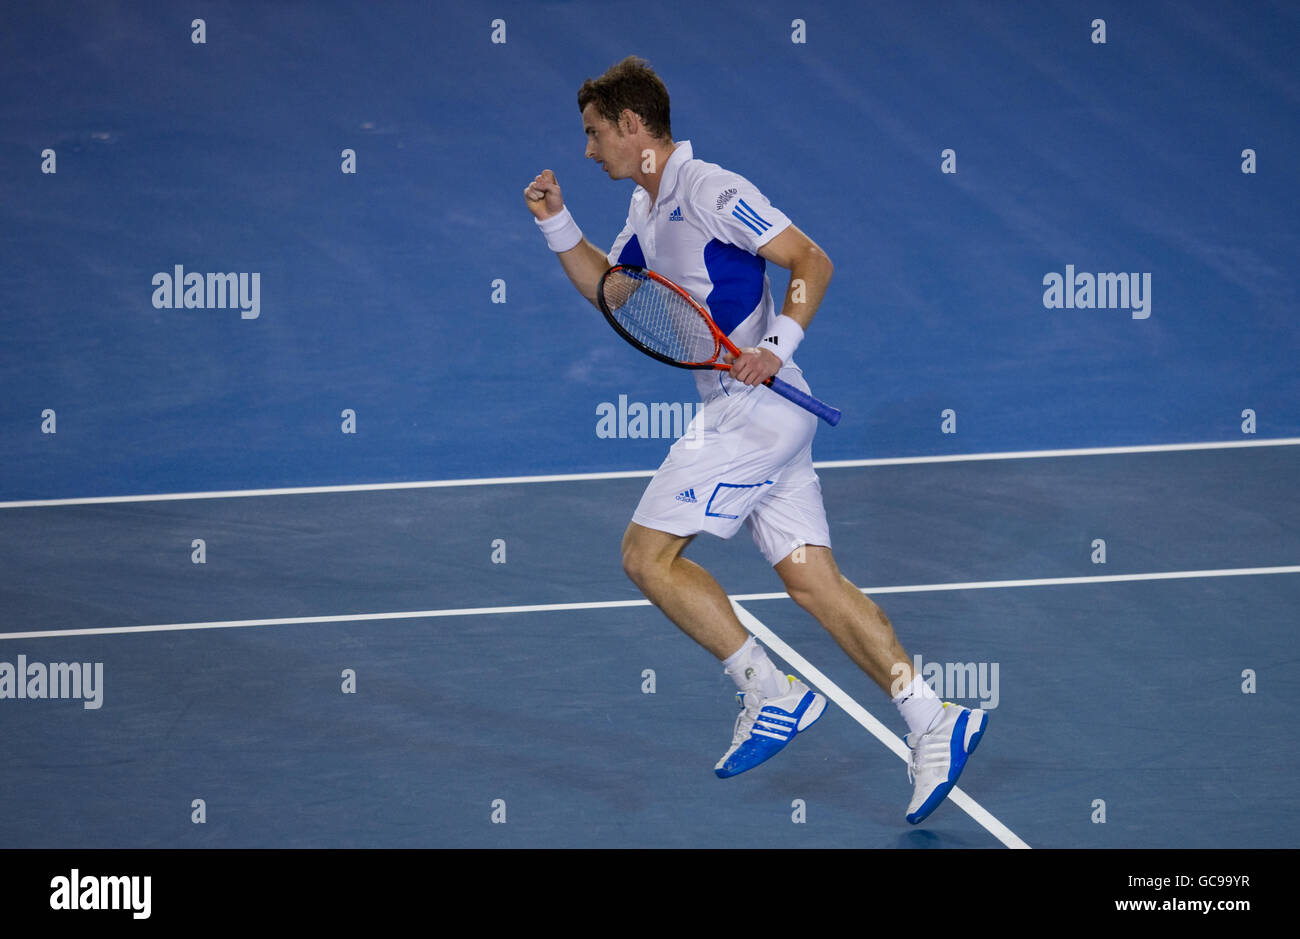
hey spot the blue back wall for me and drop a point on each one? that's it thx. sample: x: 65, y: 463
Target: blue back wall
x: 378, y: 287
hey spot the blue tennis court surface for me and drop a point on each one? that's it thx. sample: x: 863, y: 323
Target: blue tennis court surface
x: 345, y: 572
x: 480, y: 676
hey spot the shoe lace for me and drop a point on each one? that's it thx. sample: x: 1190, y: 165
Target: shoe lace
x: 745, y: 721
x: 926, y: 753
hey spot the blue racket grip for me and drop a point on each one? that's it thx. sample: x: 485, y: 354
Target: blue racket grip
x: 806, y: 401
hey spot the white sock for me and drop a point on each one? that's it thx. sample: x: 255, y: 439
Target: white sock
x: 752, y: 670
x: 919, y: 705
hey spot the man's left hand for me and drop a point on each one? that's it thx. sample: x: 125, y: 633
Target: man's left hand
x: 753, y: 365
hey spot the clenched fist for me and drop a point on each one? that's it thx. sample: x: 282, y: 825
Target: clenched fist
x: 543, y: 195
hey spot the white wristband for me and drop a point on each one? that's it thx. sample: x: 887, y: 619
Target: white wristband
x: 561, y: 231
x: 784, y: 338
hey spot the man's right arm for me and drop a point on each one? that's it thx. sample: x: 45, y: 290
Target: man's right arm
x: 584, y: 263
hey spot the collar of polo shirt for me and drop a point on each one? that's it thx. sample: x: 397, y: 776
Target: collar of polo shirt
x: 681, y: 153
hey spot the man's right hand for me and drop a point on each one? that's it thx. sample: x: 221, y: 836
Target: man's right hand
x: 584, y: 262
x: 543, y: 196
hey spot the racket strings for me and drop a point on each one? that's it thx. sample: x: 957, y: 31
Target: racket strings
x: 659, y: 318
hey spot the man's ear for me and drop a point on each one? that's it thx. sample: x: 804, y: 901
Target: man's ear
x: 628, y: 122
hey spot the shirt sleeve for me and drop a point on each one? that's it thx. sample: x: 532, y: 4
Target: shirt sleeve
x: 731, y: 209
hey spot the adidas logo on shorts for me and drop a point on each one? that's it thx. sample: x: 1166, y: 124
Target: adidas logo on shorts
x: 686, y: 495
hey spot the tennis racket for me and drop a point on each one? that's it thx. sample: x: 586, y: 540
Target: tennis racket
x: 664, y: 321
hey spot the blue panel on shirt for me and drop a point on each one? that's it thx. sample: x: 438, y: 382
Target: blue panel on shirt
x: 631, y: 253
x: 737, y: 279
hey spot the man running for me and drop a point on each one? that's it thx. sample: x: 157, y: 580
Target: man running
x: 747, y: 459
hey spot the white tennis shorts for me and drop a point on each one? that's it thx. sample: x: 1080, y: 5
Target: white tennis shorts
x: 746, y: 459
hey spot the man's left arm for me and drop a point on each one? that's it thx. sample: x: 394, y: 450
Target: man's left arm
x: 810, y: 272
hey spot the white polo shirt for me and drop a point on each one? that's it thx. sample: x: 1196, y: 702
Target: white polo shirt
x: 704, y: 232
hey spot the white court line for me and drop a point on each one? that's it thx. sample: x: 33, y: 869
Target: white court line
x: 612, y: 604
x: 341, y: 618
x: 634, y: 474
x: 1057, y: 581
x: 316, y: 490
x: 864, y: 717
x: 851, y: 707
x: 1048, y: 454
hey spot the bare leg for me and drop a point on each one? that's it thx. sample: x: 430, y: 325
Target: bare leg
x: 860, y: 627
x: 685, y: 592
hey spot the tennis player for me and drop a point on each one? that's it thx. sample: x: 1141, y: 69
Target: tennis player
x: 747, y: 458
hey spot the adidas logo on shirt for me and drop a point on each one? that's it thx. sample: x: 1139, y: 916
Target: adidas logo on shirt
x: 677, y: 215
x: 686, y: 495
x: 750, y: 218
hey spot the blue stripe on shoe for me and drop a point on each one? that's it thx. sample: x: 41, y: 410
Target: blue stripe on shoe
x: 957, y: 747
x: 761, y: 747
x: 978, y: 735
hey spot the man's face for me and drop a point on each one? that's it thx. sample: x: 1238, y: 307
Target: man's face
x: 607, y: 145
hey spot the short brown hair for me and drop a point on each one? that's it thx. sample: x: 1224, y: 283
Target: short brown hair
x: 633, y: 85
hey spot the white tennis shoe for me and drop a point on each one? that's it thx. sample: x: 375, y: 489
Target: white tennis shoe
x: 765, y: 725
x: 939, y: 755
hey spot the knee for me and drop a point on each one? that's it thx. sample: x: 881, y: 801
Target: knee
x: 640, y: 564
x: 634, y: 564
x: 806, y: 595
x: 806, y: 588
x: 811, y: 579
